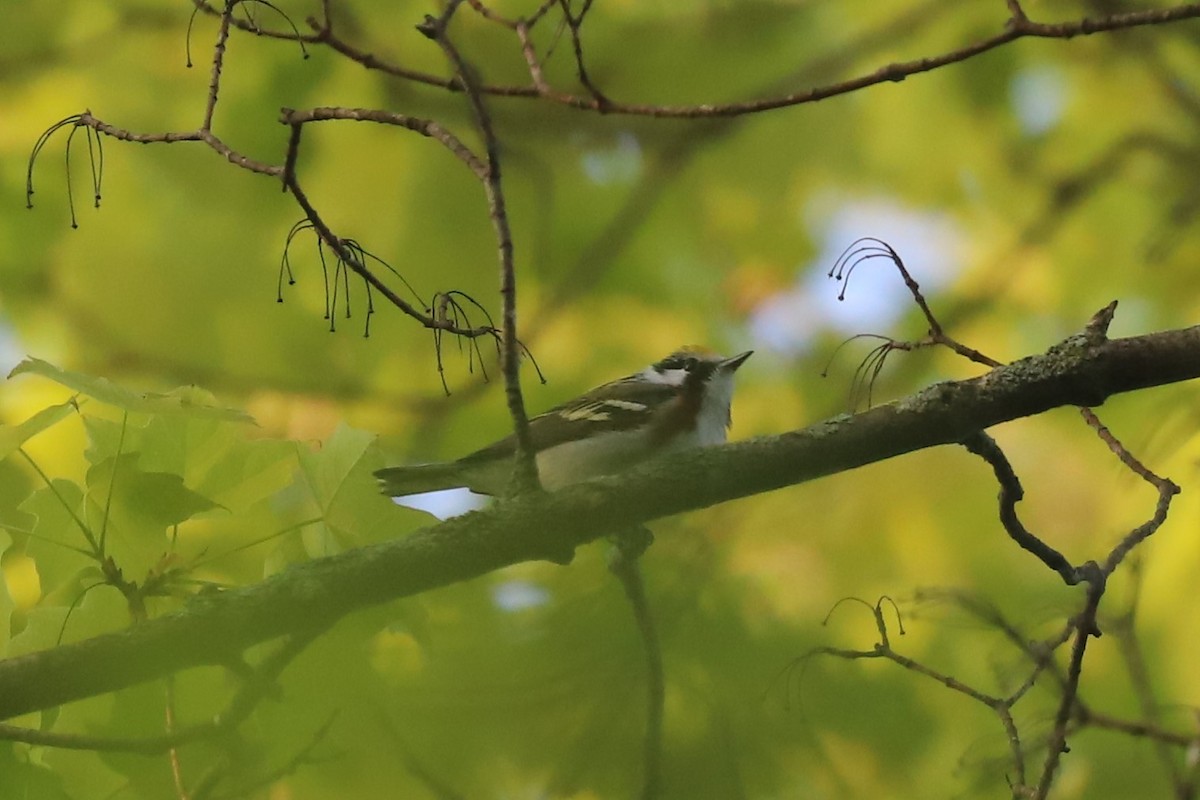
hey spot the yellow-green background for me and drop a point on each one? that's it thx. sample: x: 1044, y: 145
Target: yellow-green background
x: 634, y: 236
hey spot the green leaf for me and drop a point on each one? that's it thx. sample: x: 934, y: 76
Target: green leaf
x: 213, y: 456
x: 56, y: 540
x: 91, y: 611
x: 22, y: 777
x: 156, y: 500
x: 339, y: 477
x: 13, y: 436
x: 328, y: 468
x: 6, y: 601
x: 188, y: 400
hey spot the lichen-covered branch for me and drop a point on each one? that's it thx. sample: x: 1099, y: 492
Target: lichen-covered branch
x: 215, y: 628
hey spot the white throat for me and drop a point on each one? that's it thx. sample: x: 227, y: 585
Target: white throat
x: 712, y: 423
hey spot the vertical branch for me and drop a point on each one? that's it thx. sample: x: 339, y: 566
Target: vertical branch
x: 217, y: 64
x: 176, y: 763
x: 628, y: 546
x: 1085, y: 628
x: 526, y: 475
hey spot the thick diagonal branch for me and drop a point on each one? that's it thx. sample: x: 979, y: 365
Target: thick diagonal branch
x: 215, y: 628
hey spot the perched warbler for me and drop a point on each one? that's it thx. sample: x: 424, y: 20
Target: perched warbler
x: 681, y: 401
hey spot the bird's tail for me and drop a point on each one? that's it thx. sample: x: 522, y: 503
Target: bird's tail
x: 418, y: 478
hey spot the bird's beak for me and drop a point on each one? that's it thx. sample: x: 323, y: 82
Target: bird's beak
x: 731, y: 364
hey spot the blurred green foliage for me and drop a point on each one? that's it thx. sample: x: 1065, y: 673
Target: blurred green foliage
x: 1061, y: 174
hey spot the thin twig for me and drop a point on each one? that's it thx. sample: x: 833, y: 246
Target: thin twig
x: 1017, y: 27
x: 628, y: 547
x: 883, y: 649
x: 1057, y: 744
x: 525, y: 474
x: 1011, y: 493
x: 345, y: 254
x: 574, y: 23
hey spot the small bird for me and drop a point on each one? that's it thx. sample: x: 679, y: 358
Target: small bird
x: 682, y: 401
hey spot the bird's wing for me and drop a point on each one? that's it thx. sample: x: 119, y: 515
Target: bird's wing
x: 618, y: 406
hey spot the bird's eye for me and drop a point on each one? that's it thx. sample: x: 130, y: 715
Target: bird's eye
x: 690, y: 363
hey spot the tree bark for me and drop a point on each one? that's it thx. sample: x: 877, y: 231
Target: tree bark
x: 215, y: 628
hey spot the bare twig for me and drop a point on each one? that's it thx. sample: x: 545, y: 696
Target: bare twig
x: 345, y: 253
x: 525, y: 469
x: 531, y: 60
x: 1095, y: 333
x: 488, y: 13
x: 249, y: 26
x: 1018, y: 26
x: 883, y: 649
x: 173, y: 753
x: 1094, y: 574
x: 1085, y: 628
x: 984, y: 446
x: 628, y: 547
x: 1134, y: 728
x: 574, y: 24
x: 425, y: 127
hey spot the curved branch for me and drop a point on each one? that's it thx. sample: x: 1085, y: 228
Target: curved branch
x: 1018, y: 26
x: 339, y: 245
